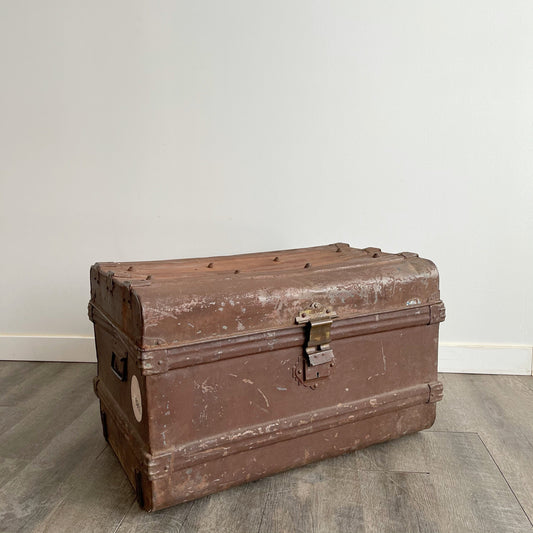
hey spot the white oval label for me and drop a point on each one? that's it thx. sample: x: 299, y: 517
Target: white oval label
x: 136, y: 401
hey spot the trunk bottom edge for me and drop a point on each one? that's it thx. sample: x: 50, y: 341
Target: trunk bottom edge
x: 201, y: 479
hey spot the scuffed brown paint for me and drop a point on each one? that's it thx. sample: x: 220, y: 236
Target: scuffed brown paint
x: 185, y: 301
x: 219, y: 357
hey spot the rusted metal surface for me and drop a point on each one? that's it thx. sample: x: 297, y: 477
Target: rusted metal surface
x: 172, y: 303
x: 217, y: 371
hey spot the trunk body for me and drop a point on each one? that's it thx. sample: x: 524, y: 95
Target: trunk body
x: 213, y: 372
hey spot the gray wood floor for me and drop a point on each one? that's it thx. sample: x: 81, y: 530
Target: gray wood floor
x: 471, y: 472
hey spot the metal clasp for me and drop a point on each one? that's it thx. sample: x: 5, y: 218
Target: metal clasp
x: 319, y: 355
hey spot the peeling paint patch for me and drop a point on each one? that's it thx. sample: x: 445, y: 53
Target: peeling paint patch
x: 248, y: 381
x: 281, y: 388
x: 414, y: 301
x: 265, y: 398
x: 204, y: 386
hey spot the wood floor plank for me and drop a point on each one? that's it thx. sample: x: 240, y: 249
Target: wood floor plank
x: 27, y: 380
x: 500, y: 409
x: 96, y: 500
x: 525, y: 381
x: 325, y: 496
x: 67, y: 395
x: 399, y: 501
x: 40, y: 412
x: 28, y: 387
x: 35, y: 490
x: 426, y: 482
x: 12, y: 372
x: 472, y: 494
x: 172, y: 519
x: 237, y: 510
x: 11, y: 416
x: 234, y: 511
x: 9, y: 468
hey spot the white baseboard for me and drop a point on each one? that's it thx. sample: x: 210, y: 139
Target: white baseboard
x: 486, y: 359
x: 47, y: 348
x: 461, y: 358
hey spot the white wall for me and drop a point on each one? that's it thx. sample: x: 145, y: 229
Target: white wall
x: 143, y: 130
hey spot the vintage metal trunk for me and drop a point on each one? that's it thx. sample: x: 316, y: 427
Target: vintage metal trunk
x: 213, y: 372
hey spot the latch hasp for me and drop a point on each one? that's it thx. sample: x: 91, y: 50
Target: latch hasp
x: 319, y: 355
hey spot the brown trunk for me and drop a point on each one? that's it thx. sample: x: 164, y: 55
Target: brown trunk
x: 217, y: 371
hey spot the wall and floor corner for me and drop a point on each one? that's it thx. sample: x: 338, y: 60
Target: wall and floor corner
x: 147, y: 130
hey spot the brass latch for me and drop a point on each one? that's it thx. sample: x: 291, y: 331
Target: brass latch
x: 319, y: 355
